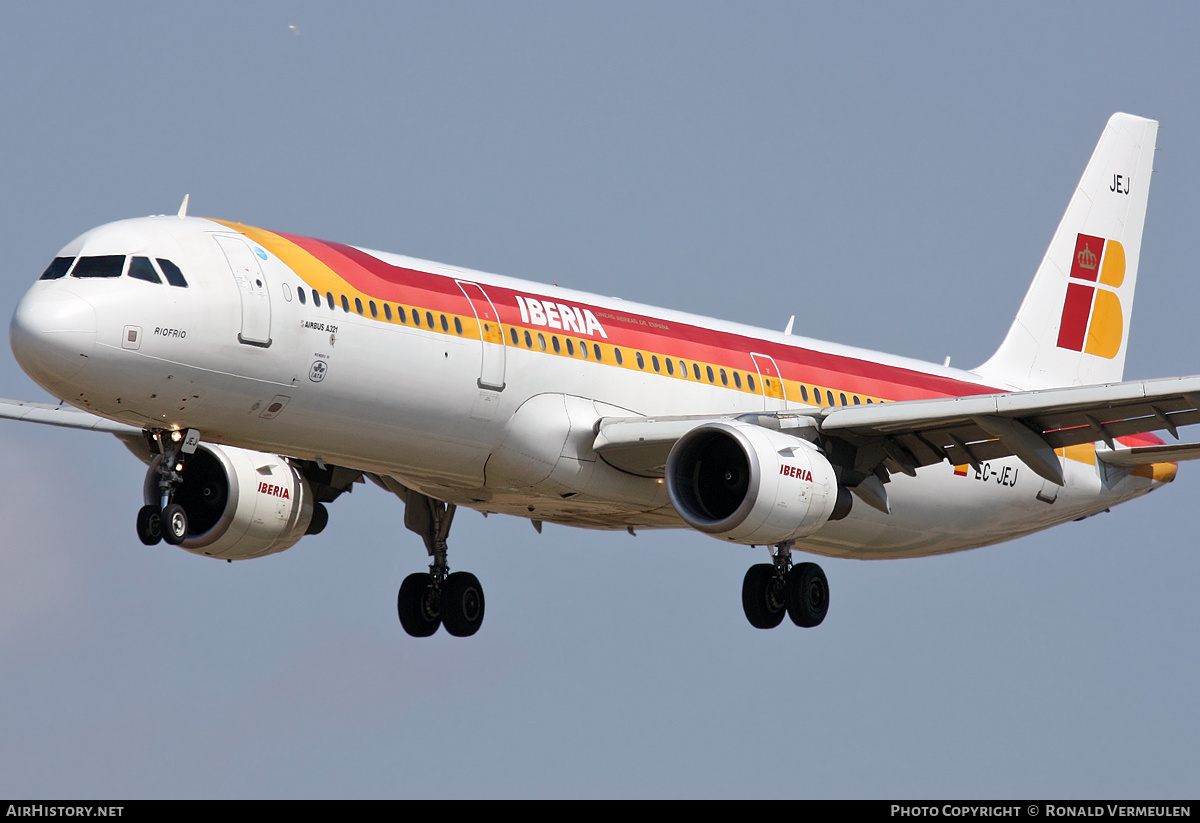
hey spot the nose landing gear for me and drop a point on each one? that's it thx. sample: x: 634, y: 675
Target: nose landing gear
x: 167, y: 520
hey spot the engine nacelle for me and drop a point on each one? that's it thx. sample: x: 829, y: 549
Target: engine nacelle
x: 239, y: 503
x: 753, y: 485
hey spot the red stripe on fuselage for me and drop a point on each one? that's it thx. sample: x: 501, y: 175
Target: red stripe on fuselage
x: 413, y: 287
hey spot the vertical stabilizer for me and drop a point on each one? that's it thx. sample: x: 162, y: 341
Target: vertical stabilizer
x: 1073, y: 326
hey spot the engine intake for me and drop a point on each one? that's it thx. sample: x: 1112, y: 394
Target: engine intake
x: 753, y: 485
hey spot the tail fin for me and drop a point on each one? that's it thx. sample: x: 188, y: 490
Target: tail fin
x: 1073, y: 326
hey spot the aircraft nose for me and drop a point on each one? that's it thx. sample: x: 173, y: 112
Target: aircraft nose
x: 52, y: 334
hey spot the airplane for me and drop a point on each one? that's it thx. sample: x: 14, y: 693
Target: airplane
x: 260, y: 375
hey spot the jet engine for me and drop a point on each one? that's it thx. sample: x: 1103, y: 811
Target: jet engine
x: 239, y: 503
x: 749, y: 484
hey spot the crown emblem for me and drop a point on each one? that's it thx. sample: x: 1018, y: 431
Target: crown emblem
x: 1086, y: 258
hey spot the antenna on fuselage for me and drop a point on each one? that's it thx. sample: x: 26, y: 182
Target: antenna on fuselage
x: 183, y: 206
x: 791, y: 320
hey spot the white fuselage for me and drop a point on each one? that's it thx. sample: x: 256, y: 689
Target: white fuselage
x: 494, y: 406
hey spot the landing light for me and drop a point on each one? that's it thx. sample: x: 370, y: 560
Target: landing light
x: 176, y: 436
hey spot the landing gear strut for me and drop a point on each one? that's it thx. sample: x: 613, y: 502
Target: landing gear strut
x: 437, y: 597
x: 771, y: 589
x: 167, y: 520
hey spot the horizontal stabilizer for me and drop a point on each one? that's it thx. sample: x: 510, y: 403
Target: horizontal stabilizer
x: 1145, y: 455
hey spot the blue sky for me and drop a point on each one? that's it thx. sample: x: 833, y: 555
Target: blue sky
x: 889, y: 174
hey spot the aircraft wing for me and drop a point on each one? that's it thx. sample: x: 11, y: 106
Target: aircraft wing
x: 905, y: 435
x: 62, y: 415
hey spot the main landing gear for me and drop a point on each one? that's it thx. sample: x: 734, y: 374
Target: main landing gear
x: 771, y: 589
x: 437, y: 597
x: 167, y: 520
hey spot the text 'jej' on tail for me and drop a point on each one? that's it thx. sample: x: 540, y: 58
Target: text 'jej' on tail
x: 1073, y: 326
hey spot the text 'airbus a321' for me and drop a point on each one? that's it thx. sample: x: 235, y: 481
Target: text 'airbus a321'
x: 261, y: 374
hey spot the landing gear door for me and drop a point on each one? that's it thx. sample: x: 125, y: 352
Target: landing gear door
x: 774, y: 397
x: 252, y: 288
x: 491, y: 336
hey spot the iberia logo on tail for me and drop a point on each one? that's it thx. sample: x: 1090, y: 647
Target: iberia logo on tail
x: 1091, y: 318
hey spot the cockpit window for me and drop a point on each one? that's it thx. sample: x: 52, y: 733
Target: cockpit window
x: 105, y: 265
x: 142, y: 269
x: 172, y: 273
x: 57, y: 268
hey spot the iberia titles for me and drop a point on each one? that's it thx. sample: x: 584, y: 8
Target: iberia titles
x: 559, y: 316
x: 274, y: 491
x: 794, y: 471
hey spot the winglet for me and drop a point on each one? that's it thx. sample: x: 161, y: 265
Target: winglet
x: 1073, y: 326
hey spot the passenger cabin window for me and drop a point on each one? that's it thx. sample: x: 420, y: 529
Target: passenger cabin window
x: 141, y: 269
x: 303, y: 298
x: 106, y: 265
x: 57, y: 268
